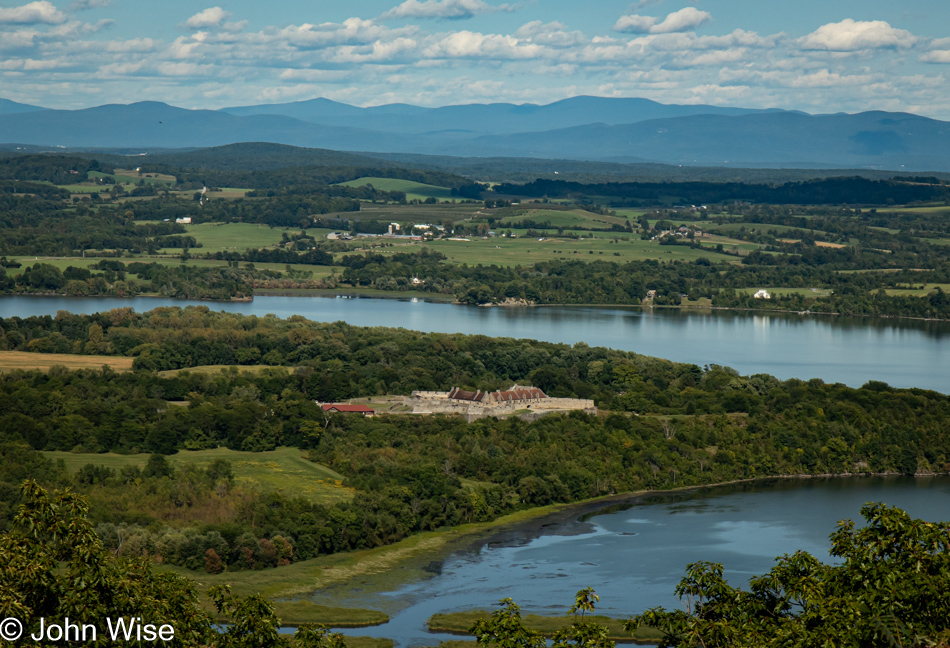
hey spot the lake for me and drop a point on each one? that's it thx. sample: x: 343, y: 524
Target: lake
x: 903, y: 353
x: 634, y: 553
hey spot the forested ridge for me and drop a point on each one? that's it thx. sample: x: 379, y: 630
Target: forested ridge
x: 669, y: 424
x: 823, y: 191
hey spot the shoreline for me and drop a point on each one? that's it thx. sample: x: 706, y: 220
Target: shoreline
x: 439, y: 298
x: 341, y: 572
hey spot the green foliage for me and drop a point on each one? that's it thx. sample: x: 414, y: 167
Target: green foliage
x: 583, y: 633
x: 53, y: 565
x: 891, y: 588
x: 504, y: 629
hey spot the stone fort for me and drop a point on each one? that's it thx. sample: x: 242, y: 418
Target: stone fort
x: 518, y: 400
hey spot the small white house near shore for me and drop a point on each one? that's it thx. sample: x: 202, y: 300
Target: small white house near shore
x: 762, y: 294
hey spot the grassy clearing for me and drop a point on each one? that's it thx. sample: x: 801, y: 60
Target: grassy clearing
x: 295, y: 613
x: 221, y: 237
x: 914, y: 291
x: 730, y: 243
x: 807, y: 292
x: 281, y: 470
x: 361, y: 572
x: 413, y: 190
x: 508, y: 252
x: 547, y: 625
x: 13, y: 360
x: 148, y: 177
x: 216, y: 369
x: 935, y: 209
x: 567, y: 218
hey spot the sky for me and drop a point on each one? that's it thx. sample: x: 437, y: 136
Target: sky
x: 819, y: 56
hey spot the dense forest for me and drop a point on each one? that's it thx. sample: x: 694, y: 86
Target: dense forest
x: 824, y: 191
x: 668, y: 425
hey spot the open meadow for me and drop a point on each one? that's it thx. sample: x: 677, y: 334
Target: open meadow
x: 14, y: 360
x: 505, y: 251
x: 282, y: 470
x: 413, y: 190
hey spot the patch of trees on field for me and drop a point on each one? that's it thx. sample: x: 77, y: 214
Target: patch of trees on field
x: 56, y: 169
x: 124, y: 280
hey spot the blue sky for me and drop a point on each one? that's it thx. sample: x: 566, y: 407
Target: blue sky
x: 817, y: 56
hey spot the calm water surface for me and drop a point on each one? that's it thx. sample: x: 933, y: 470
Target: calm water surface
x: 634, y: 555
x: 904, y: 353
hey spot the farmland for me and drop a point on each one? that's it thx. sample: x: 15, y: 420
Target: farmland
x: 283, y: 470
x: 23, y: 360
x: 413, y: 190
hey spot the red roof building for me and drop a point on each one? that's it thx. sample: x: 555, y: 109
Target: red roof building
x: 343, y: 408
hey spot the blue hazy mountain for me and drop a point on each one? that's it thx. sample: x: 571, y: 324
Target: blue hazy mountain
x: 485, y: 118
x: 582, y: 128
x: 8, y: 107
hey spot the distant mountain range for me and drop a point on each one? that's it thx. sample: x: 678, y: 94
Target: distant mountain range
x: 580, y: 128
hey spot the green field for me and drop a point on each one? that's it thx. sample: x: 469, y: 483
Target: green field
x: 573, y: 218
x: 413, y: 190
x: 808, y: 292
x: 523, y: 251
x: 282, y: 470
x: 763, y: 228
x: 918, y: 292
x: 934, y: 209
x: 216, y: 369
x: 222, y: 237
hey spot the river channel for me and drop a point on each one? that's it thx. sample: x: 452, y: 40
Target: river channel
x: 634, y: 553
x: 901, y: 352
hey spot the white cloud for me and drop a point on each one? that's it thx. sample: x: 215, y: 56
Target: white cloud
x: 17, y: 40
x: 936, y: 56
x: 33, y: 13
x: 552, y: 34
x: 313, y: 76
x: 136, y: 45
x: 466, y: 44
x: 211, y: 17
x: 851, y: 35
x: 445, y: 9
x: 635, y: 24
x: 685, y: 19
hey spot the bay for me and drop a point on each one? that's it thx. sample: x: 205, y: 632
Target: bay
x: 849, y: 350
x: 634, y: 553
